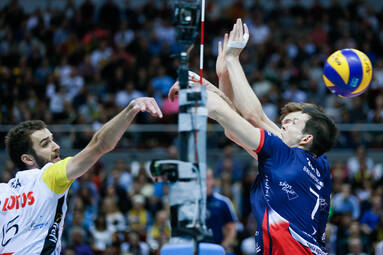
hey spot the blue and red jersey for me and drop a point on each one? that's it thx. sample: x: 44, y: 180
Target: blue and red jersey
x: 290, y: 199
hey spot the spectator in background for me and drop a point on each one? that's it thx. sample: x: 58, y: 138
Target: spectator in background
x: 331, y: 238
x: 339, y: 176
x: 228, y: 163
x: 165, y: 32
x: 138, y: 217
x: 378, y: 74
x: 355, y: 247
x: 123, y: 97
x: 259, y: 31
x: 73, y: 84
x: 79, y: 245
x: 221, y: 217
x: 115, y: 220
x: 379, y: 248
x: 377, y: 237
x: 101, y: 235
x: 133, y: 245
x: 293, y: 93
x: 101, y: 55
x: 345, y: 202
x: 124, y: 36
x: 371, y: 218
x: 159, y: 233
x: 354, y: 232
x: 161, y: 84
x: 358, y: 161
x: 376, y: 114
x: 125, y: 176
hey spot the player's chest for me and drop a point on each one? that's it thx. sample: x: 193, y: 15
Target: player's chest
x: 16, y: 200
x: 291, y: 180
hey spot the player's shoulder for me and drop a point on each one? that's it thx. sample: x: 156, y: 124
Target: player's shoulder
x: 310, y: 159
x: 323, y: 162
x: 27, y: 175
x: 22, y: 179
x: 273, y: 140
x: 270, y: 134
x: 221, y: 198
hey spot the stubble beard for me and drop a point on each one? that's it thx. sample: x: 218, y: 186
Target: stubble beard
x: 40, y: 161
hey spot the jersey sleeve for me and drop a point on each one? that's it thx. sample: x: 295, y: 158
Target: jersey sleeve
x: 271, y: 146
x: 55, y: 177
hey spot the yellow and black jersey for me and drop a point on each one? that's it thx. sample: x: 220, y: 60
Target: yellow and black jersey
x: 32, y: 210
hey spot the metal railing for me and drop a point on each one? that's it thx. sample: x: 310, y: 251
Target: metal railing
x: 165, y: 128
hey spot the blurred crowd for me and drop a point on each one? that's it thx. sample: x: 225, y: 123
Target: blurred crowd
x: 82, y: 64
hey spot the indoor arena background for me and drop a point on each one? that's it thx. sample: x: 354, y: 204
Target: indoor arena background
x: 74, y: 64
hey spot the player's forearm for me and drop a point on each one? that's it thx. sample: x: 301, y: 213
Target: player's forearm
x: 219, y: 110
x: 225, y: 86
x: 244, y: 97
x: 107, y: 137
x: 103, y: 141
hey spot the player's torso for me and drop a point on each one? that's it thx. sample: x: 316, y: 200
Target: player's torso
x: 297, y: 191
x: 28, y: 210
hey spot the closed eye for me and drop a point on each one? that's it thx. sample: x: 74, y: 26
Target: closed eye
x: 45, y: 144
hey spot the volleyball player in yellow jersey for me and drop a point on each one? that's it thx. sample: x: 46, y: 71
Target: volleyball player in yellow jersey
x: 33, y: 203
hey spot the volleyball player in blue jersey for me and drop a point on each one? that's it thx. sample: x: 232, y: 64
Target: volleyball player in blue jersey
x: 290, y: 197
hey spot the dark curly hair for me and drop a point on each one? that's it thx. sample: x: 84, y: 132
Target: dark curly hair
x: 18, y: 140
x: 320, y: 126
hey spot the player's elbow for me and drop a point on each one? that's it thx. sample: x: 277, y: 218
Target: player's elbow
x: 228, y: 134
x: 213, y: 111
x: 100, y: 145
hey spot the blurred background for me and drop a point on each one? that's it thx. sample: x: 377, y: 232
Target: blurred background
x: 76, y: 63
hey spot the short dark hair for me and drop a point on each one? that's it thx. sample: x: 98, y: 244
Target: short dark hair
x: 320, y: 126
x: 18, y: 140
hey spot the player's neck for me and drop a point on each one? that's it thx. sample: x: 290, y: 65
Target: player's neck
x: 305, y: 149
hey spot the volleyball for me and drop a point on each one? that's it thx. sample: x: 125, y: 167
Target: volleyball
x: 347, y: 72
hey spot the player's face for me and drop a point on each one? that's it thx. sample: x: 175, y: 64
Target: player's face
x: 292, y: 127
x: 46, y: 150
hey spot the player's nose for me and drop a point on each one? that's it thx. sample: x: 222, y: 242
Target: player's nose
x: 56, y: 146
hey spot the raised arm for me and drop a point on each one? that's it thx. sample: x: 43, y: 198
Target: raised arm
x: 243, y: 97
x: 224, y: 82
x: 107, y: 137
x: 248, y: 136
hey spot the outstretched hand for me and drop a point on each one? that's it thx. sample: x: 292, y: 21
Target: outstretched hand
x: 193, y: 78
x: 146, y: 104
x: 237, y: 40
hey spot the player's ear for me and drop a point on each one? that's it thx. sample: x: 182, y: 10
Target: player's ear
x: 307, y: 139
x: 28, y: 159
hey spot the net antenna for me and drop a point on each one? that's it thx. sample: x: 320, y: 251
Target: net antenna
x: 187, y: 175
